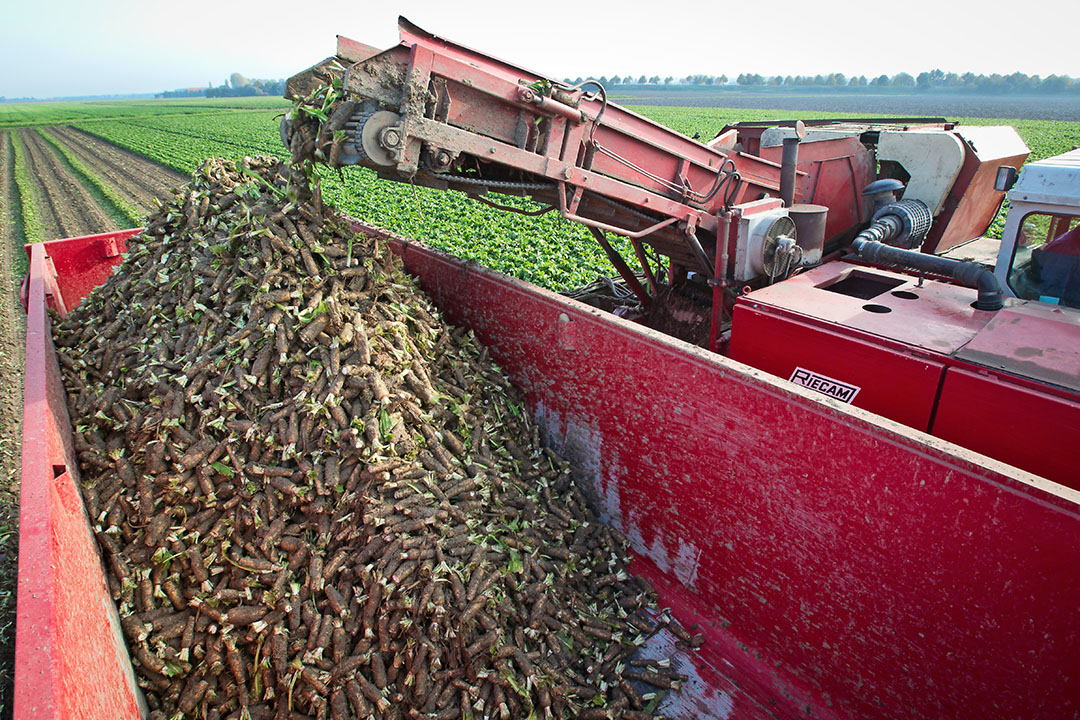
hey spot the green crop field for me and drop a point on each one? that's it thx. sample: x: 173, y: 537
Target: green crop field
x: 66, y: 112
x: 183, y: 141
x: 544, y: 250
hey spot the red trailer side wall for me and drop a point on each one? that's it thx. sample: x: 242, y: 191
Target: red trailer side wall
x: 75, y: 266
x: 70, y: 658
x: 839, y: 565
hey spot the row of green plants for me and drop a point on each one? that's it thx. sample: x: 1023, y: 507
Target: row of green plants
x: 33, y: 230
x: 183, y: 142
x: 123, y: 212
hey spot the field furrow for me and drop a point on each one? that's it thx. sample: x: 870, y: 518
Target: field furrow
x: 137, y: 179
x: 72, y: 210
x: 12, y: 330
x: 10, y: 231
x: 43, y: 204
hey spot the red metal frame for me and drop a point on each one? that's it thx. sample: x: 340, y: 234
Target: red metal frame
x: 505, y: 121
x: 839, y: 565
x: 78, y: 265
x: 486, y: 108
x: 833, y: 173
x: 916, y: 363
x: 70, y: 658
x: 646, y: 143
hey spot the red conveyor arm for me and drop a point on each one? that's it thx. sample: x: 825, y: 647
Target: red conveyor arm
x: 432, y: 112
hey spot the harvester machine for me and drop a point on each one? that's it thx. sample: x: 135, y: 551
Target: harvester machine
x: 844, y: 255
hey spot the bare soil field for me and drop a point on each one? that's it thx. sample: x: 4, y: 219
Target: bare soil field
x: 12, y: 334
x: 137, y: 179
x: 932, y: 104
x: 67, y: 207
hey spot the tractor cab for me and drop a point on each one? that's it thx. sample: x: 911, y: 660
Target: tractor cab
x: 1039, y: 257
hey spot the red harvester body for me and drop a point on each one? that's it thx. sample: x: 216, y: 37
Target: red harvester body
x: 750, y: 231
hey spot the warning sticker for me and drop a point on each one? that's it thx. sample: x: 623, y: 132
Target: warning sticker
x: 825, y: 385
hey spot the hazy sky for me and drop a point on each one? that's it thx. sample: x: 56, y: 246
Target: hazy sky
x: 75, y: 47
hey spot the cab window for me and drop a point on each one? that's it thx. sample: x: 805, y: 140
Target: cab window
x: 1046, y: 262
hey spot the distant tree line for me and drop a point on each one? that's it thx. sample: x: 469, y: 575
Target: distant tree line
x: 931, y: 80
x: 236, y: 86
x: 183, y: 93
x: 656, y: 80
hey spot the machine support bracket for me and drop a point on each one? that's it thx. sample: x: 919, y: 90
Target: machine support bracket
x: 596, y: 225
x: 639, y: 250
x: 624, y: 270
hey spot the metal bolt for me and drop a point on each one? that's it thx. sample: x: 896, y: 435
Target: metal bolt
x: 443, y: 158
x: 391, y: 137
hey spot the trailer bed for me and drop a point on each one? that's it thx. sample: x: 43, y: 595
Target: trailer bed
x: 839, y: 565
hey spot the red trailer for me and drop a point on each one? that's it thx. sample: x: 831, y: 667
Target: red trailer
x: 838, y: 564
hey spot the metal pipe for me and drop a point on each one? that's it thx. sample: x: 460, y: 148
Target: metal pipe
x: 789, y: 161
x: 528, y: 95
x: 595, y: 225
x: 620, y: 265
x: 719, y: 282
x: 722, y: 240
x: 967, y: 273
x: 644, y: 262
x: 699, y: 252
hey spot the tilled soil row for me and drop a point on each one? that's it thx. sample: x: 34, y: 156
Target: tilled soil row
x: 50, y: 223
x: 137, y: 179
x: 12, y: 328
x: 68, y: 208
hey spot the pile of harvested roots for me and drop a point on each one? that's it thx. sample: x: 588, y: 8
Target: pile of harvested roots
x: 314, y: 498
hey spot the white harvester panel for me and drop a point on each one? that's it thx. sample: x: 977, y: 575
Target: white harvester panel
x: 931, y: 157
x: 774, y: 137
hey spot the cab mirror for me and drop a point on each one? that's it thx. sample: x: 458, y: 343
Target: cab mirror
x: 1006, y: 178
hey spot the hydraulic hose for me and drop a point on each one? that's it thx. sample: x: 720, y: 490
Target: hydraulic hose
x: 967, y: 273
